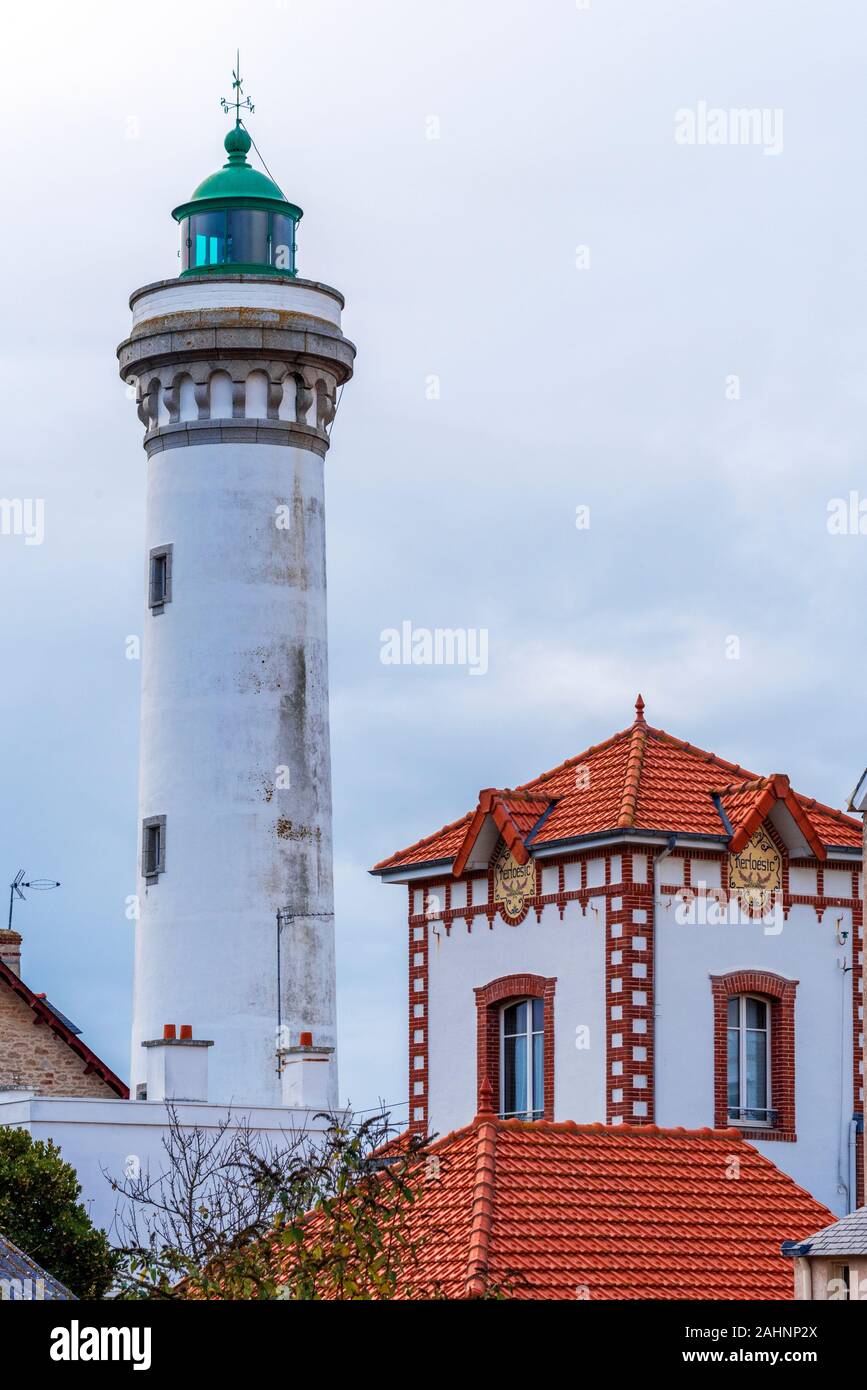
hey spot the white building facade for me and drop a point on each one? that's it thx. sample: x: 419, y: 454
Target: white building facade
x: 646, y: 935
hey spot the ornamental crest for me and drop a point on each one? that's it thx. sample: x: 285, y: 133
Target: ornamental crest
x: 514, y: 884
x: 757, y: 871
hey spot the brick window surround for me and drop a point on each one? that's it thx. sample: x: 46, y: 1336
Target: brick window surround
x: 780, y: 994
x: 490, y: 999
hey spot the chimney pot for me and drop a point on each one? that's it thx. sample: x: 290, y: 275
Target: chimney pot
x: 186, y: 1030
x: 169, y: 1030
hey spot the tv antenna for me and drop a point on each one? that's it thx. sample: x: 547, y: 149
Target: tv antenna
x: 39, y: 885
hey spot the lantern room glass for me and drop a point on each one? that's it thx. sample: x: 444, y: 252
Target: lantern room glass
x: 247, y: 242
x: 283, y: 242
x: 238, y: 236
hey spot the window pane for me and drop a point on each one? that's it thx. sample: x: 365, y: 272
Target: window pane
x: 734, y: 1084
x: 515, y: 1019
x: 757, y: 1071
x: 282, y: 242
x: 734, y: 1012
x: 152, y: 849
x: 538, y: 1015
x: 756, y: 1013
x: 208, y: 235
x: 515, y: 1076
x: 538, y: 1099
x: 158, y: 579
x: 185, y: 244
x: 248, y: 237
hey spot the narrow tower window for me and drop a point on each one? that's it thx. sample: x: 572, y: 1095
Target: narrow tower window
x: 153, y: 847
x: 749, y: 1061
x: 160, y: 584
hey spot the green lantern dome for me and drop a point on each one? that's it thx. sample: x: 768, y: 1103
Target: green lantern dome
x: 238, y: 219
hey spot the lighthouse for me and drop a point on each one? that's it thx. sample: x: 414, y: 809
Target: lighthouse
x: 236, y: 365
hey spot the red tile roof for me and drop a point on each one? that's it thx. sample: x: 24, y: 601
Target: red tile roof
x: 549, y: 1210
x: 640, y: 779
x: 44, y: 1013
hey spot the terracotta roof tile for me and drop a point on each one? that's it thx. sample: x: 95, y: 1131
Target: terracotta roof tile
x: 559, y: 1211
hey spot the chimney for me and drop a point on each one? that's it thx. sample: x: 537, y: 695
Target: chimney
x: 304, y: 1073
x: 10, y: 949
x: 177, y: 1066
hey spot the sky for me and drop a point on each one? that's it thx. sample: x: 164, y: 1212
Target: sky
x: 610, y: 397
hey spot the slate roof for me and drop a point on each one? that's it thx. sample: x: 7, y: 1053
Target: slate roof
x: 20, y: 1277
x: 845, y: 1237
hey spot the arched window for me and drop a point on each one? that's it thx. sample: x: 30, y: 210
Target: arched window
x: 748, y: 1036
x: 511, y: 1013
x: 754, y: 1053
x: 522, y: 1064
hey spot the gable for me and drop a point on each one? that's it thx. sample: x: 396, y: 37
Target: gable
x: 40, y: 1052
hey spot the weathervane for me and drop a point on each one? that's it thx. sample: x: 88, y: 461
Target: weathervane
x: 237, y: 88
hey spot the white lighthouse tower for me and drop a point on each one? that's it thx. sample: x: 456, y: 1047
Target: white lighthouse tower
x: 236, y: 364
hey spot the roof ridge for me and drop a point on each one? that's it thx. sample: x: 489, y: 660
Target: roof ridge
x: 482, y: 1219
x: 642, y: 1131
x: 734, y: 788
x: 578, y: 758
x: 613, y: 1131
x: 702, y: 754
x: 632, y: 777
x: 810, y: 801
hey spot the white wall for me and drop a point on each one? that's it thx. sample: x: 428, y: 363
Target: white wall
x: 805, y: 950
x: 573, y: 950
x: 103, y: 1136
x: 194, y: 292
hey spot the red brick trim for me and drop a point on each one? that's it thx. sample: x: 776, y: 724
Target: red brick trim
x: 781, y: 993
x: 418, y: 957
x: 629, y: 990
x: 489, y: 1000
x: 858, y: 1023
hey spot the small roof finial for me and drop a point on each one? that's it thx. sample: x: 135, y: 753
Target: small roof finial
x: 639, y: 710
x: 486, y: 1097
x: 237, y: 88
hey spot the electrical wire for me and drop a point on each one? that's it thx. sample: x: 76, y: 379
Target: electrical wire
x: 264, y: 165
